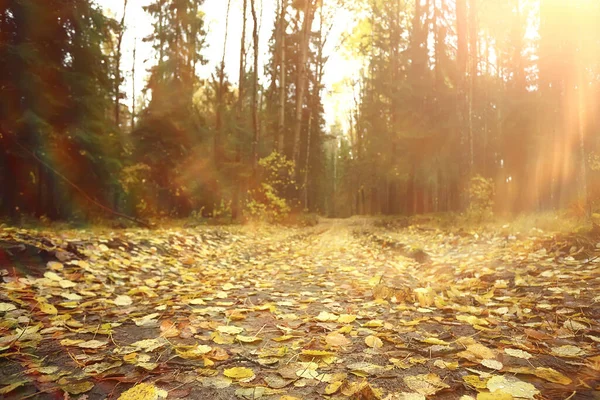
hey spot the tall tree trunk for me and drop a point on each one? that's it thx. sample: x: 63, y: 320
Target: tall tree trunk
x: 255, y: 126
x: 302, y: 74
x: 461, y: 101
x: 235, y: 207
x: 473, y: 70
x: 282, y: 78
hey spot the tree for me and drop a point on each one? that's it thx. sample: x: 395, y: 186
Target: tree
x: 56, y: 96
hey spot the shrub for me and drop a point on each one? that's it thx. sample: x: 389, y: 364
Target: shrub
x: 276, y: 177
x: 481, y: 198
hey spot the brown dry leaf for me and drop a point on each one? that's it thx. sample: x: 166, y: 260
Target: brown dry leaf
x: 567, y: 351
x: 427, y: 385
x: 168, y: 329
x: 336, y: 339
x: 92, y: 344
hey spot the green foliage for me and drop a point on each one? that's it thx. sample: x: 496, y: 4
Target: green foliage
x: 56, y: 90
x: 481, y: 198
x: 267, y: 202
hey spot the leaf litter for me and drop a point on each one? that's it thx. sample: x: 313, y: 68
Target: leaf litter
x: 341, y: 310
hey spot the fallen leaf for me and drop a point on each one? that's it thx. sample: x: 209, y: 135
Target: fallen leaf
x: 78, y: 387
x: 567, y: 351
x: 123, y: 300
x: 373, y: 342
x: 239, y: 373
x: 92, y: 344
x: 333, y: 387
x: 427, y: 385
x: 144, y: 391
x: 512, y: 386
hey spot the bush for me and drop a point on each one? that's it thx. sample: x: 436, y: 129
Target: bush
x: 481, y: 198
x: 276, y: 177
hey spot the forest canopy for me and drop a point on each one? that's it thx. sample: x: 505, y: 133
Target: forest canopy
x: 457, y: 105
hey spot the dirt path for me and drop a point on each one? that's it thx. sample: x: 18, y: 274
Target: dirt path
x: 339, y: 310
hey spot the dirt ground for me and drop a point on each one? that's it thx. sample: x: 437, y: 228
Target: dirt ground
x: 344, y: 309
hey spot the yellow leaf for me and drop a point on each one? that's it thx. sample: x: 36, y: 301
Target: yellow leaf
x: 497, y: 395
x: 376, y: 323
x: 547, y: 374
x: 475, y: 381
x: 472, y: 320
x: 333, y: 387
x: 514, y: 386
x: 230, y: 329
x: 47, y: 308
x: 435, y: 341
x: 239, y: 373
x: 220, y: 339
x: 70, y: 342
x: 208, y: 362
x: 194, y: 352
x: 492, y: 364
x: 78, y: 387
x: 283, y: 338
x: 144, y: 391
x: 373, y: 342
x: 325, y: 316
x: 11, y: 387
x: 248, y: 339
x: 518, y: 353
x: 6, y: 307
x: 346, y: 318
x: 317, y: 353
x: 123, y: 300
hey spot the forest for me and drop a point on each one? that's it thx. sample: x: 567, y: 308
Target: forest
x: 453, y: 99
x: 300, y: 199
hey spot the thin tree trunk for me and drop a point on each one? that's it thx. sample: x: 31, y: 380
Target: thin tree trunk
x: 118, y: 56
x: 218, y: 147
x: 133, y: 85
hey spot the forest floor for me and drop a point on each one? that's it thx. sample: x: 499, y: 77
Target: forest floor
x: 344, y: 309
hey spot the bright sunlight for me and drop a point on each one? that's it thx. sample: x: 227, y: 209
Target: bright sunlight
x: 300, y: 199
